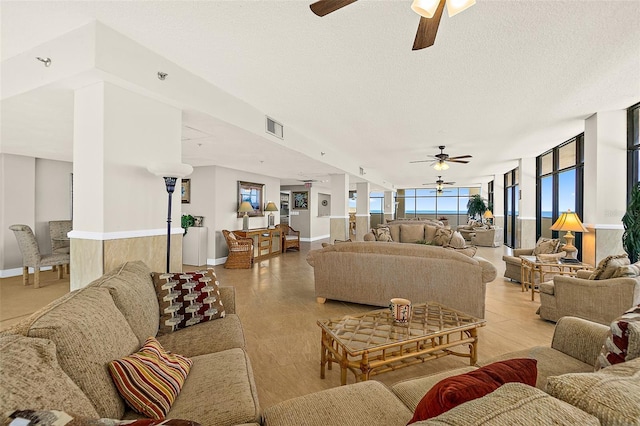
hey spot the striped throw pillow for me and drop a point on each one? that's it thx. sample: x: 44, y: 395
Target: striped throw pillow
x: 151, y: 379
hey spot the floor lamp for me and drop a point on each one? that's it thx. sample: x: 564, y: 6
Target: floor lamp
x: 170, y: 172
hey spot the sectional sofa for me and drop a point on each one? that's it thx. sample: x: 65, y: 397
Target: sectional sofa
x: 61, y: 354
x: 371, y: 273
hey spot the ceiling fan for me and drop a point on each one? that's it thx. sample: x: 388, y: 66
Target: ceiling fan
x: 439, y: 161
x: 430, y: 12
x: 439, y: 182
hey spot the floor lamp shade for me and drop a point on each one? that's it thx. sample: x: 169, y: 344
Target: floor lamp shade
x: 171, y: 172
x: 271, y: 207
x: 245, y: 207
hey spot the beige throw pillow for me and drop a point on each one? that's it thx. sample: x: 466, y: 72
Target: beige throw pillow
x: 411, y: 233
x: 457, y: 240
x: 546, y: 246
x: 443, y: 236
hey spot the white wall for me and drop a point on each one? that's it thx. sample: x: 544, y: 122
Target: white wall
x: 52, y: 197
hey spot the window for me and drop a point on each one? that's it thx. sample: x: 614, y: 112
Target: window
x: 511, y: 195
x: 559, y: 185
x: 433, y: 204
x: 633, y: 144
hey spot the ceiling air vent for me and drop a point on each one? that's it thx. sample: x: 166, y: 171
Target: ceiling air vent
x: 275, y: 128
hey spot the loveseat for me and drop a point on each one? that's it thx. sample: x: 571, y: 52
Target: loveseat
x: 575, y: 395
x: 57, y: 358
x: 372, y: 273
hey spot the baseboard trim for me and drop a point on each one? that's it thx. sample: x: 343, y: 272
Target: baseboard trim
x: 16, y: 272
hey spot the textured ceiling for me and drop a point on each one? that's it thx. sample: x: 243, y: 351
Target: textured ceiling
x: 504, y: 80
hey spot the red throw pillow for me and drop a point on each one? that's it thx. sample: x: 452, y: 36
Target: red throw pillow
x: 455, y: 390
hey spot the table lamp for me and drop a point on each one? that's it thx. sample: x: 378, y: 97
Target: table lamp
x: 488, y: 216
x: 569, y: 221
x: 271, y: 207
x: 245, y: 207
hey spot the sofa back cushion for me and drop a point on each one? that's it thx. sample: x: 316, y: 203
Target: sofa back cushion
x: 411, y: 233
x: 33, y: 379
x: 88, y: 331
x: 133, y: 292
x: 430, y: 232
x: 611, y: 394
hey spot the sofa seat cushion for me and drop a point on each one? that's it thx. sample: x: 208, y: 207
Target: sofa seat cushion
x: 456, y: 390
x: 514, y: 404
x: 206, y: 337
x: 132, y: 290
x: 219, y: 390
x: 611, y: 394
x: 31, y: 378
x: 551, y: 362
x: 360, y: 404
x: 411, y: 391
x: 150, y: 379
x: 88, y: 331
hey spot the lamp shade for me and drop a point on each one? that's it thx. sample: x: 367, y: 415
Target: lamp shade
x: 176, y: 170
x: 271, y: 207
x: 456, y: 6
x: 245, y: 207
x: 425, y: 8
x: 488, y: 214
x: 568, y: 221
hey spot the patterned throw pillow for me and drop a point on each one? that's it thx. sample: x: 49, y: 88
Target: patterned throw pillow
x: 546, y: 246
x: 187, y: 298
x: 151, y: 379
x: 628, y: 271
x: 382, y: 233
x: 623, y: 340
x: 608, y: 266
x: 443, y: 236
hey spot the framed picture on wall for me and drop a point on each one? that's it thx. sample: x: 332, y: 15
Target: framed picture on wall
x: 186, y: 191
x: 300, y: 200
x: 253, y: 193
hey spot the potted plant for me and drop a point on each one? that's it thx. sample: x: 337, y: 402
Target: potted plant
x: 631, y: 222
x: 476, y: 207
x: 187, y: 221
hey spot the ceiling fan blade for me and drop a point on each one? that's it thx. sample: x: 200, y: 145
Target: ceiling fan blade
x: 459, y: 157
x: 325, y: 7
x: 420, y: 161
x: 427, y: 30
x: 458, y: 161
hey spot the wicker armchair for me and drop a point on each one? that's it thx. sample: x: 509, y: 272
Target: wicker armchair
x: 31, y: 256
x: 240, y: 251
x: 290, y: 237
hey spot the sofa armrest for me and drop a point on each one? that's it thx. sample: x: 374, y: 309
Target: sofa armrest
x: 579, y: 338
x: 369, y: 236
x: 489, y: 271
x: 583, y: 273
x: 523, y: 252
x: 228, y: 296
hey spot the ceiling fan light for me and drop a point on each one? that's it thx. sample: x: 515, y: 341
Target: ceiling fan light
x: 425, y: 8
x: 441, y: 165
x: 456, y: 6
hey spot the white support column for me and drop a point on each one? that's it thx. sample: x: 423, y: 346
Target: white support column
x: 498, y: 203
x: 605, y: 191
x: 119, y: 208
x: 526, y: 222
x: 362, y: 210
x: 389, y: 206
x: 339, y: 226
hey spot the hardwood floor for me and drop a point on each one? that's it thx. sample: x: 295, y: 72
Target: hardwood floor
x: 276, y: 303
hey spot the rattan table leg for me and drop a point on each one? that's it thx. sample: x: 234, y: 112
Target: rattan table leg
x: 473, y: 346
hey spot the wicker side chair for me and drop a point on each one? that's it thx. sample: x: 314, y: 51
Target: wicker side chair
x: 290, y: 237
x: 240, y: 251
x: 31, y: 256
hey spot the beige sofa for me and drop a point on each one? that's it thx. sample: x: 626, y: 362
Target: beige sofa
x: 585, y: 399
x: 372, y: 273
x: 596, y: 300
x: 62, y: 352
x: 409, y: 231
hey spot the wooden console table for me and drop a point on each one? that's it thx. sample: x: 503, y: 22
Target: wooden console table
x: 266, y: 242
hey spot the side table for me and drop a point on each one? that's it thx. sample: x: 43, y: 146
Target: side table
x: 531, y: 265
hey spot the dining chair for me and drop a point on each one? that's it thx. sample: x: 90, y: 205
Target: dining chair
x: 58, y: 230
x: 31, y: 256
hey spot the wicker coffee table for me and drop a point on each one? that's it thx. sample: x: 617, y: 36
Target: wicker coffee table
x: 370, y: 343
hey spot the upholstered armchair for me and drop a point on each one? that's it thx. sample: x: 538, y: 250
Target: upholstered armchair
x: 240, y: 251
x: 513, y: 262
x: 290, y: 237
x: 487, y: 237
x: 31, y: 256
x: 599, y: 296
